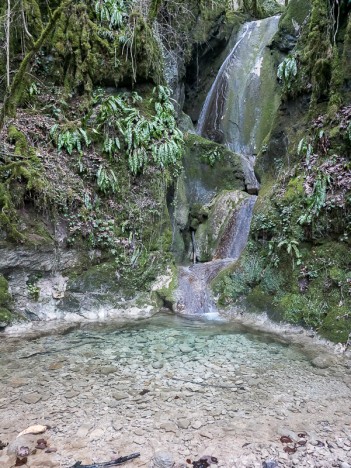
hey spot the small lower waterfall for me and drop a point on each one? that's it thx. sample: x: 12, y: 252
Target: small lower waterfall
x: 193, y: 295
x: 237, y: 113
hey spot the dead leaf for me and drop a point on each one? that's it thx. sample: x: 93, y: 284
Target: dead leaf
x: 37, y: 429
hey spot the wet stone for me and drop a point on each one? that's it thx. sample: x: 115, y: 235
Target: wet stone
x: 157, y: 365
x: 184, y: 423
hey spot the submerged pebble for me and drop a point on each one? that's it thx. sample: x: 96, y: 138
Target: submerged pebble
x: 229, y: 397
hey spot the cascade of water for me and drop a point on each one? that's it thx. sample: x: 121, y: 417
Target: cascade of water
x: 193, y: 294
x: 240, y: 96
x: 234, y: 115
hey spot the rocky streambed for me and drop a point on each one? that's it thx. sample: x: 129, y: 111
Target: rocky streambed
x: 175, y: 390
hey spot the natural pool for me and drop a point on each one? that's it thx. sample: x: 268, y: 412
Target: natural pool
x: 188, y: 387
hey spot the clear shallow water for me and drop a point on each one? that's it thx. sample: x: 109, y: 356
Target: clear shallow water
x: 165, y: 382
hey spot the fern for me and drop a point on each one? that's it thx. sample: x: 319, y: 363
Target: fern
x: 146, y: 139
x: 287, y: 72
x: 106, y: 180
x: 112, y: 12
x: 69, y: 140
x: 316, y: 201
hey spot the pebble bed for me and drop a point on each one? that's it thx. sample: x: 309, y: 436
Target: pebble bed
x: 183, y: 387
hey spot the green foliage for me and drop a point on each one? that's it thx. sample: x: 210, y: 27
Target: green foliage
x: 106, y: 180
x: 291, y: 246
x: 306, y: 149
x: 69, y: 139
x: 147, y: 138
x: 232, y: 287
x: 316, y: 201
x: 287, y: 72
x: 303, y: 310
x: 112, y: 12
x: 32, y: 287
x: 212, y: 156
x: 34, y: 291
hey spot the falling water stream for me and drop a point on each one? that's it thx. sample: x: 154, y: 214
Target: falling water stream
x: 234, y: 114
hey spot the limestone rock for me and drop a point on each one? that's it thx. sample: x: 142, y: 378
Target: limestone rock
x: 162, y: 460
x: 31, y: 398
x: 323, y: 361
x: 120, y: 395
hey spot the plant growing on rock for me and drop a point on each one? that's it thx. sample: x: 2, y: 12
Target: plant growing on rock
x: 287, y: 71
x: 69, y: 139
x: 148, y: 138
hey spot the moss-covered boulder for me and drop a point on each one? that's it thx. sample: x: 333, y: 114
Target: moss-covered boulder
x: 213, y: 236
x: 5, y: 299
x: 291, y: 23
x: 209, y: 168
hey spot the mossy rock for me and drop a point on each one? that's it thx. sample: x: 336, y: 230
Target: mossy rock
x: 293, y: 17
x: 103, y: 278
x: 5, y: 296
x: 6, y: 317
x: 337, y: 325
x: 260, y: 299
x: 210, y: 167
x: 270, y: 8
x: 165, y: 295
x: 294, y: 190
x: 214, y: 234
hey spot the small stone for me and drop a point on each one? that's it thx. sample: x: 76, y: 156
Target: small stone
x: 157, y: 365
x: 96, y: 434
x: 169, y: 427
x: 106, y: 370
x: 117, y: 426
x: 323, y: 361
x: 270, y: 464
x: 185, y: 349
x: 120, y: 395
x: 196, y: 424
x: 344, y: 465
x: 31, y: 398
x: 207, y: 435
x: 184, y: 423
x: 71, y: 394
x: 162, y: 460
x: 83, y: 430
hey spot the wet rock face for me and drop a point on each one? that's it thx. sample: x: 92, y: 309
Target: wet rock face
x: 42, y: 290
x: 215, y: 238
x: 208, y: 169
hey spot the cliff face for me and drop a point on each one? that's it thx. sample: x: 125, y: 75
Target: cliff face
x: 91, y: 150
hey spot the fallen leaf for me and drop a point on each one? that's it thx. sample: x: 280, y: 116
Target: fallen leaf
x: 285, y: 440
x: 288, y: 449
x: 37, y: 429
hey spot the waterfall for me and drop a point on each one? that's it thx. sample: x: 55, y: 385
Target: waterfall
x: 193, y: 295
x: 240, y: 99
x: 237, y: 113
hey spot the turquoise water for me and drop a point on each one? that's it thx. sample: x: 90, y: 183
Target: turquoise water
x: 165, y: 382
